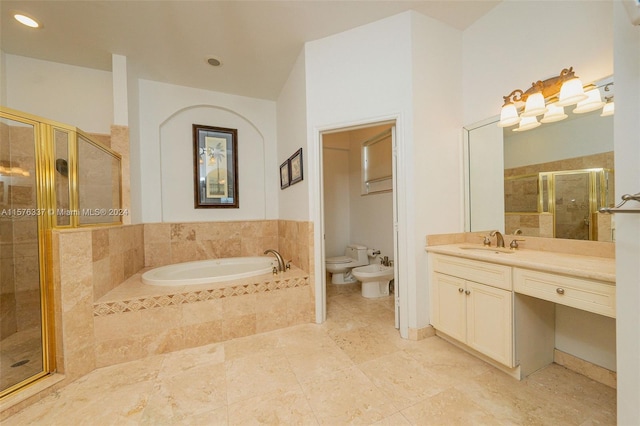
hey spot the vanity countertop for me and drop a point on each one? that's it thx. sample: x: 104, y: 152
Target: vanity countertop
x: 591, y: 267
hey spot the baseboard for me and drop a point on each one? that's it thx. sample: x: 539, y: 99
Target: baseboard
x: 586, y: 368
x: 421, y: 333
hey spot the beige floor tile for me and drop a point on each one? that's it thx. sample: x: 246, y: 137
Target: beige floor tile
x: 450, y: 407
x: 276, y: 408
x: 258, y: 374
x: 192, y: 392
x: 347, y: 397
x: 402, y: 379
x: 365, y: 343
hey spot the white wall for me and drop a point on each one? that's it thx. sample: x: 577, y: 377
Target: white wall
x: 627, y: 159
x: 292, y: 134
x: 166, y: 182
x: 393, y: 69
x: 360, y: 76
x: 77, y: 96
x: 434, y: 189
x: 176, y: 163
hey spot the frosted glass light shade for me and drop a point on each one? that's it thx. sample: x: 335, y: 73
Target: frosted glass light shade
x: 534, y: 106
x: 592, y: 103
x: 508, y: 116
x: 554, y: 113
x: 527, y: 123
x: 608, y: 109
x: 571, y: 92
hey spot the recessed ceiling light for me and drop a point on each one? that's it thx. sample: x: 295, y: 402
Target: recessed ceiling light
x: 214, y: 62
x: 26, y: 20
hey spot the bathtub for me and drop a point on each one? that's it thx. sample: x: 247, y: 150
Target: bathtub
x: 209, y: 271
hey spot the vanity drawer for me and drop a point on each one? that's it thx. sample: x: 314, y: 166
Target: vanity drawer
x: 588, y: 295
x: 481, y: 272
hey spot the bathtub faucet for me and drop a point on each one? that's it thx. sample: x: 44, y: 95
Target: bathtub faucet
x: 277, y: 255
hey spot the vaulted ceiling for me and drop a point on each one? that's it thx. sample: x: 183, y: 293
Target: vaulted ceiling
x: 170, y: 41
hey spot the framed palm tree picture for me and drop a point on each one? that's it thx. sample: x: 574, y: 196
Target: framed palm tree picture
x: 215, y: 167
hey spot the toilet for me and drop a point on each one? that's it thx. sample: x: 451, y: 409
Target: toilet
x: 340, y: 266
x: 375, y: 279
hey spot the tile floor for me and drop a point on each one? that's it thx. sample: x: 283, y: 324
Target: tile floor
x: 353, y: 369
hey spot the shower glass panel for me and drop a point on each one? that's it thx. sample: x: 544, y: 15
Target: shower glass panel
x: 572, y: 206
x: 21, y: 325
x: 99, y: 192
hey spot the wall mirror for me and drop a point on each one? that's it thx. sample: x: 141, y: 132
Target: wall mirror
x: 549, y: 181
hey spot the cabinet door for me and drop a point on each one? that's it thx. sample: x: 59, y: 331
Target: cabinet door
x: 490, y: 321
x: 449, y: 306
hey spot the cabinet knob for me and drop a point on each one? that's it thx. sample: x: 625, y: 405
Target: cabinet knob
x: 461, y: 289
x: 560, y: 290
x: 467, y: 292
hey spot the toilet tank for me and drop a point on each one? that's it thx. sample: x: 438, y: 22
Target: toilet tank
x: 357, y: 251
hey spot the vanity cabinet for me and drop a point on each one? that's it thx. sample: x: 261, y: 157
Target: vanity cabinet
x: 472, y: 302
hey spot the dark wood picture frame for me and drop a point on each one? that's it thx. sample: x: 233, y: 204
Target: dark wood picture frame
x: 285, y: 176
x: 295, y: 168
x: 215, y: 167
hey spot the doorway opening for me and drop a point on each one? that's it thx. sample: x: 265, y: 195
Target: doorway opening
x: 359, y: 219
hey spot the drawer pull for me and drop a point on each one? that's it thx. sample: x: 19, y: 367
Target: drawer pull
x: 560, y: 290
x: 467, y: 292
x: 461, y: 289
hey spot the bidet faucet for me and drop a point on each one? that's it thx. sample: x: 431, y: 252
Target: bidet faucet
x: 499, y: 238
x: 279, y: 257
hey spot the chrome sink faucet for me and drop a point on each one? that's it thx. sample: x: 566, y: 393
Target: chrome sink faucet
x: 278, y: 256
x: 499, y: 238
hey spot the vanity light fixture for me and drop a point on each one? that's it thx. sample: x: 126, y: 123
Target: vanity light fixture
x: 548, y: 97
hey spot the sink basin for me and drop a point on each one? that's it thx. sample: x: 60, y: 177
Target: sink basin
x: 496, y: 250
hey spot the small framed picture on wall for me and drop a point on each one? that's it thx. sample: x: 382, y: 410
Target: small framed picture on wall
x: 284, y: 175
x: 295, y: 167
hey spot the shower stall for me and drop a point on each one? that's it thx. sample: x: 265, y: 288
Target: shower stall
x: 51, y: 176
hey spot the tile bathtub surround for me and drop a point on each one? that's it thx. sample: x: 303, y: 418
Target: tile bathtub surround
x: 136, y: 320
x: 168, y: 243
x: 352, y: 369
x: 117, y: 254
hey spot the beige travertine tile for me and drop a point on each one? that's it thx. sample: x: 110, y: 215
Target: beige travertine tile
x: 280, y: 407
x: 347, y: 396
x: 258, y: 374
x: 450, y: 407
x: 402, y: 379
